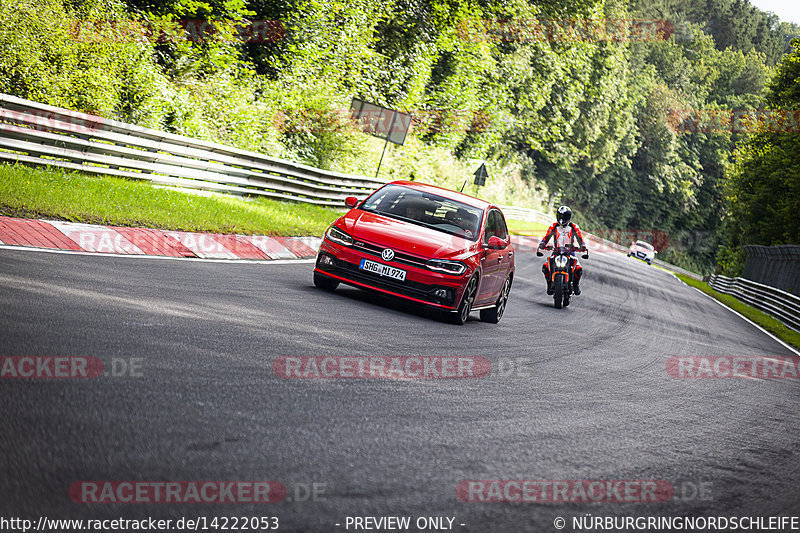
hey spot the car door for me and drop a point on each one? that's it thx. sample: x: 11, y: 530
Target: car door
x: 507, y: 259
x: 506, y: 255
x: 493, y: 261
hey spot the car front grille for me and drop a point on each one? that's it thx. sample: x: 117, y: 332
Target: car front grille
x: 414, y: 289
x: 399, y: 257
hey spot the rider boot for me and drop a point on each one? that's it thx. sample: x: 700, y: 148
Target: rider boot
x: 576, y: 281
x: 546, y: 273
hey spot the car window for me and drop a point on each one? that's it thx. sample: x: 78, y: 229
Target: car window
x: 502, y: 230
x: 426, y: 209
x: 495, y: 226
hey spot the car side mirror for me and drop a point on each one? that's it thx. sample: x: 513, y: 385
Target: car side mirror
x: 351, y: 201
x: 496, y: 243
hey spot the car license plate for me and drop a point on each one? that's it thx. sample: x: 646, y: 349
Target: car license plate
x: 383, y: 270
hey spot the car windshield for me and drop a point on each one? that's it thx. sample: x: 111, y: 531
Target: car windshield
x: 426, y: 209
x: 644, y: 245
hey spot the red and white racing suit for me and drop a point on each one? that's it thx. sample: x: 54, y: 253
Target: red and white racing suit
x: 563, y: 236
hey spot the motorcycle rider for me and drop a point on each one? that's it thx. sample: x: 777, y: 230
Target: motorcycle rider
x: 564, y: 233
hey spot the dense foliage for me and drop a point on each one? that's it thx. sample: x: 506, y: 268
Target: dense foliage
x: 764, y: 189
x: 588, y: 121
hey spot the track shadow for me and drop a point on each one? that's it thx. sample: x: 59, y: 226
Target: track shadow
x: 389, y: 303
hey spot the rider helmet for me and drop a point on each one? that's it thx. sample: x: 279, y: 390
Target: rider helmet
x: 564, y: 215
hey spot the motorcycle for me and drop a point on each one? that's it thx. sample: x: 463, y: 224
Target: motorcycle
x: 561, y: 264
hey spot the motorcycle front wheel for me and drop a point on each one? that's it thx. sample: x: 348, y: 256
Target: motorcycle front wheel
x: 559, y: 290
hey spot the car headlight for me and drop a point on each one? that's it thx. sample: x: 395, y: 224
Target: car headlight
x: 338, y: 236
x: 455, y: 268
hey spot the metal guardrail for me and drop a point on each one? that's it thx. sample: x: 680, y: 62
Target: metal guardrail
x: 782, y: 305
x: 33, y: 133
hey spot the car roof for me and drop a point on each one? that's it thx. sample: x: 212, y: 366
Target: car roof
x: 448, y: 193
x: 644, y: 243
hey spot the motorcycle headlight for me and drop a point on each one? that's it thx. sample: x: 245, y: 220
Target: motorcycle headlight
x: 561, y: 261
x: 456, y: 268
x: 338, y: 236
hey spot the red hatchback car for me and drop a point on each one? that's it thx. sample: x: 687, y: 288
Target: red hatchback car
x: 423, y: 243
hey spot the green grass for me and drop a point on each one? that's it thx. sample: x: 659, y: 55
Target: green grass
x: 56, y: 194
x: 773, y: 325
x: 524, y: 227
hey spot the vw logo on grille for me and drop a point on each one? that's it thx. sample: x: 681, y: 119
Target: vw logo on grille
x: 387, y: 254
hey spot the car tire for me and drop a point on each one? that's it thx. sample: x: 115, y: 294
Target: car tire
x: 494, y: 314
x: 324, y: 282
x: 470, y: 291
x: 649, y: 262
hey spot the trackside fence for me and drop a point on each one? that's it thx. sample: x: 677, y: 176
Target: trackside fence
x: 776, y: 266
x: 780, y: 304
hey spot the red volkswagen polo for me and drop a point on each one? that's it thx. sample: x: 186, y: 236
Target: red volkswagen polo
x: 423, y: 243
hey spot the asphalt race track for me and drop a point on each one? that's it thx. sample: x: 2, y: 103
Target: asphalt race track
x: 580, y: 393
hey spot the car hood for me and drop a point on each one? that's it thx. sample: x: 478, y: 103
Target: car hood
x: 403, y: 236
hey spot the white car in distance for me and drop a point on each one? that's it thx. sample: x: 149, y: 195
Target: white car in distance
x: 642, y: 250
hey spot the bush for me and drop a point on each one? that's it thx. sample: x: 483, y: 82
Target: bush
x: 49, y: 54
x: 730, y: 261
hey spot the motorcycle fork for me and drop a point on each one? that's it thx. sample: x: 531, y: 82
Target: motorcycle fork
x: 553, y: 272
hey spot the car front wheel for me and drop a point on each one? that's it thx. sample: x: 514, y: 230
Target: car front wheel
x: 324, y: 282
x: 494, y: 314
x: 461, y: 316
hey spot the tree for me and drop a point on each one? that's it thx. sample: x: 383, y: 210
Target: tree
x: 764, y: 189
